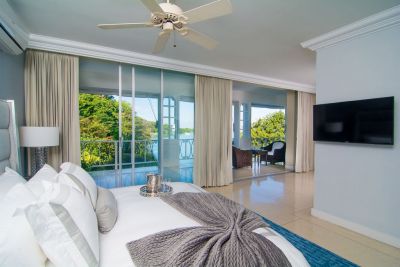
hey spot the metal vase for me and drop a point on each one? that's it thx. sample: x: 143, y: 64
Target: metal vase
x: 153, y: 182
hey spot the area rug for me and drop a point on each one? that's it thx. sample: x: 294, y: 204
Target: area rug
x: 314, y: 254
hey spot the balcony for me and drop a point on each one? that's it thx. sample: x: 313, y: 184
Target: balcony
x: 101, y: 158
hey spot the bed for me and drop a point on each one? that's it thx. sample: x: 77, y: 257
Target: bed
x: 138, y: 216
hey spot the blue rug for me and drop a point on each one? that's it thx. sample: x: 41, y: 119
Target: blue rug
x: 314, y: 254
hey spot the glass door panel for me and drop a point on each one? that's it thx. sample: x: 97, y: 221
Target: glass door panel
x: 178, y: 126
x: 126, y: 136
x: 147, y: 118
x: 99, y: 119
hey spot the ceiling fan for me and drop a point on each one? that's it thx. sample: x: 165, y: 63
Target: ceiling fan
x: 170, y: 17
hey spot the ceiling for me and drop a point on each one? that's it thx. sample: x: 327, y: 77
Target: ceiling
x: 261, y: 37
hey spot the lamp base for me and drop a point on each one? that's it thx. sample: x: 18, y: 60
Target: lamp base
x: 40, y: 158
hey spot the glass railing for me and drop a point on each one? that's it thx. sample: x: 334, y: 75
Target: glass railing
x: 104, y: 154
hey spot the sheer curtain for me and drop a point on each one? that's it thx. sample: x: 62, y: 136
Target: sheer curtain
x: 51, y: 99
x: 213, y: 136
x: 304, y: 142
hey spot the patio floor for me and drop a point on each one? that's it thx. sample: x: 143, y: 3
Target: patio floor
x: 137, y: 176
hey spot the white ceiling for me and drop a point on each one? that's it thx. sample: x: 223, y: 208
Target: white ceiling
x: 261, y: 36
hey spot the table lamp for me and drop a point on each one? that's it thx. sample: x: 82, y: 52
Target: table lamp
x: 39, y: 138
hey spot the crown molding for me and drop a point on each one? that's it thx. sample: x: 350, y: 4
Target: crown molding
x: 107, y: 53
x: 377, y: 22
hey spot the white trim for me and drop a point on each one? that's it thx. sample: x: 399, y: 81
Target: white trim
x: 133, y: 176
x: 379, y: 21
x: 385, y: 238
x: 96, y: 51
x: 161, y: 126
x: 120, y: 136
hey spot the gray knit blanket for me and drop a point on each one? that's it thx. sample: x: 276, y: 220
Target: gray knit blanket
x: 225, y: 237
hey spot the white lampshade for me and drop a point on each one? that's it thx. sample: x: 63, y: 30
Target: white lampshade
x: 39, y: 136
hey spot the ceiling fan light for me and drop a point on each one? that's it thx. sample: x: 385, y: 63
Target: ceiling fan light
x: 168, y: 26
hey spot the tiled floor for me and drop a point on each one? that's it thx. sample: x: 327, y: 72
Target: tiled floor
x: 287, y: 199
x: 255, y: 171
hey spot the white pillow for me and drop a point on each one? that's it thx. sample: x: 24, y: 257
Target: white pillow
x: 18, y: 245
x: 83, y: 177
x: 8, y: 179
x: 73, y: 181
x: 46, y: 173
x: 65, y: 226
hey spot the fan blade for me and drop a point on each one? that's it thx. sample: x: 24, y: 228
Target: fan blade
x: 124, y: 25
x: 161, y: 41
x: 153, y: 6
x: 199, y: 38
x: 209, y: 11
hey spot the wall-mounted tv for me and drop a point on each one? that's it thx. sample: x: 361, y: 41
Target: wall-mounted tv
x: 369, y: 121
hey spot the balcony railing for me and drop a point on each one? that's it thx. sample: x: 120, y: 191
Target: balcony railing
x: 104, y: 154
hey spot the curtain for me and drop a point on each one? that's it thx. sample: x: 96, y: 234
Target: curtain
x: 304, y: 142
x: 51, y: 99
x: 213, y: 136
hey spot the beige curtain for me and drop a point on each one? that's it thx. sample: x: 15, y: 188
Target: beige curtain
x: 304, y: 142
x: 213, y: 137
x: 51, y: 99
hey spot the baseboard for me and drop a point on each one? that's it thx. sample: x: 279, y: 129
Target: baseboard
x: 382, y: 237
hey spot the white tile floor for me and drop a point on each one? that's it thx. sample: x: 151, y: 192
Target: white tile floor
x: 287, y: 199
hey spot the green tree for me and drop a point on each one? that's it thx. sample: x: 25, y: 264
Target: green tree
x: 99, y: 121
x: 268, y: 129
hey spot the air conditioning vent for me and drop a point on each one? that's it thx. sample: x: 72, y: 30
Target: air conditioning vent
x: 8, y: 43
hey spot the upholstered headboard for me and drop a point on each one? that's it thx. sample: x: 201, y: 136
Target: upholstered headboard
x: 9, y: 141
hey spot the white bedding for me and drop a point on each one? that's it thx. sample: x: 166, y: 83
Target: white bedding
x: 140, y: 216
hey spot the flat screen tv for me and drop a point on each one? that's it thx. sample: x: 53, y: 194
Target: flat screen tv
x: 367, y: 121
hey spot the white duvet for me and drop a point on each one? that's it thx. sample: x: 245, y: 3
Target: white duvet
x: 140, y: 216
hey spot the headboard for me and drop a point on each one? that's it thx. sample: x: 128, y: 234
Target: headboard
x: 9, y: 140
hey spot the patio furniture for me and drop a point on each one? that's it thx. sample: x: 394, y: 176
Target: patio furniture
x: 258, y: 154
x: 276, y: 152
x: 241, y: 158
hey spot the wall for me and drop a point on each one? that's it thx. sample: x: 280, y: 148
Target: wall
x: 12, y: 85
x: 290, y: 155
x: 358, y: 186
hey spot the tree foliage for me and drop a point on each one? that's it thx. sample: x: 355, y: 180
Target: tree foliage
x: 99, y: 121
x: 268, y: 129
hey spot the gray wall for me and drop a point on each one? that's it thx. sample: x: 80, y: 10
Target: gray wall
x: 12, y: 86
x: 360, y: 184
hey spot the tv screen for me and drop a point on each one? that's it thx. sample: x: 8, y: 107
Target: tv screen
x: 367, y: 121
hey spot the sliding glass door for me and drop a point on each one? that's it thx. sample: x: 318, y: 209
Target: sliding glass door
x: 126, y: 138
x: 147, y: 117
x: 106, y: 108
x: 178, y: 126
x: 135, y: 120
